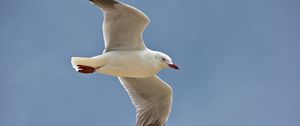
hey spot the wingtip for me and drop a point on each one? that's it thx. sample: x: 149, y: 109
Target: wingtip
x: 92, y: 1
x: 104, y: 3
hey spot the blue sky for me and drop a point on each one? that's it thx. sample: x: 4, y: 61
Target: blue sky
x: 239, y: 60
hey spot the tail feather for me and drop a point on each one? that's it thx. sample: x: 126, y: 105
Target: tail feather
x: 92, y: 62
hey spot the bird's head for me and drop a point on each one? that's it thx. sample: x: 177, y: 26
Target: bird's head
x: 165, y: 61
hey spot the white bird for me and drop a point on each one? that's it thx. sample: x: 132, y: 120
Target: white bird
x: 127, y: 57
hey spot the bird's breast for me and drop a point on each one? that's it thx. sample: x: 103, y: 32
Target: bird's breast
x: 129, y: 64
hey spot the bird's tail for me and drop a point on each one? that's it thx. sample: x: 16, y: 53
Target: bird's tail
x: 92, y: 62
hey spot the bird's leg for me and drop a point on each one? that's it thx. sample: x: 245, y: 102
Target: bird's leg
x: 86, y: 69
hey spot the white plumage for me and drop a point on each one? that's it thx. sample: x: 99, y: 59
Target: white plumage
x: 127, y: 57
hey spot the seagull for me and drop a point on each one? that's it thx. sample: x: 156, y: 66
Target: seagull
x: 126, y: 57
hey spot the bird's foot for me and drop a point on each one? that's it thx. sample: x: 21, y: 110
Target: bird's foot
x: 86, y: 69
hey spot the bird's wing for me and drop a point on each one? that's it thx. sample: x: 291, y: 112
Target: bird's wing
x: 152, y: 98
x: 123, y: 26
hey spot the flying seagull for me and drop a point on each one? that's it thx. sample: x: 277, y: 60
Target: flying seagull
x: 126, y: 57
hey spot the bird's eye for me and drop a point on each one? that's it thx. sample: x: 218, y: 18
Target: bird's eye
x: 163, y: 59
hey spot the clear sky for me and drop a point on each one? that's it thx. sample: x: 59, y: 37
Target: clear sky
x: 239, y: 60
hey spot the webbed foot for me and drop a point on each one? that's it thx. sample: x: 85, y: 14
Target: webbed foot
x: 86, y: 69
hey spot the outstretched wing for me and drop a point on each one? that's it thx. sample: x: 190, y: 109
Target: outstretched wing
x: 123, y: 26
x: 152, y: 98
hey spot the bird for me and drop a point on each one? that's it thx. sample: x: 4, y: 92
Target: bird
x: 126, y: 57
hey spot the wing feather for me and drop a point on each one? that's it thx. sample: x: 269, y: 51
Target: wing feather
x: 123, y: 26
x: 152, y: 97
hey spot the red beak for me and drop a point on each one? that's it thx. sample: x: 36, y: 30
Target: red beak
x: 174, y: 66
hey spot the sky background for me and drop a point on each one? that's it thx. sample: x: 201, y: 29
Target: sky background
x: 239, y: 60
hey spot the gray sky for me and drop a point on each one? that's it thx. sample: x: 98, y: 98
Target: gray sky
x: 239, y: 60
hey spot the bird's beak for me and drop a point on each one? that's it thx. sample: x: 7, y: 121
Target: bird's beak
x: 174, y: 66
